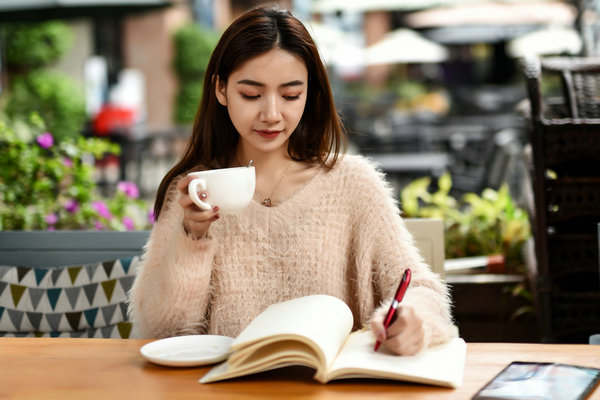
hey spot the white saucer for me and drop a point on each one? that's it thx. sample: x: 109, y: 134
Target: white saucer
x: 187, y: 351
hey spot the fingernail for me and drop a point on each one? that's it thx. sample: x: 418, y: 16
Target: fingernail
x: 381, y: 336
x: 216, y: 209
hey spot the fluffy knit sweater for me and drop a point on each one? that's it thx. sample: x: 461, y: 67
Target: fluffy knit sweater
x: 341, y: 234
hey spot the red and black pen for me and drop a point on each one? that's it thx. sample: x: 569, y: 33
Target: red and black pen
x: 397, y: 299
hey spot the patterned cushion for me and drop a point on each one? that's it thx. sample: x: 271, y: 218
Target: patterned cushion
x: 74, y: 301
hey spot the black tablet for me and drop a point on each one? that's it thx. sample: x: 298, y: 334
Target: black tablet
x: 534, y: 380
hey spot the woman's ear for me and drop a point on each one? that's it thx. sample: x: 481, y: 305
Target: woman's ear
x: 220, y: 91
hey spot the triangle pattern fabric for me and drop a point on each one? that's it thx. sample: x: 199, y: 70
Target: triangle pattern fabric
x: 17, y: 291
x: 53, y: 295
x: 126, y: 283
x: 108, y: 267
x: 35, y: 319
x: 108, y: 312
x: 72, y: 295
x: 109, y: 287
x: 39, y: 273
x: 125, y: 264
x: 21, y: 272
x: 73, y: 319
x: 124, y: 329
x: 16, y: 318
x: 3, y: 270
x: 90, y: 292
x: 35, y: 295
x: 73, y: 272
x: 32, y: 303
x: 56, y: 273
x: 54, y: 320
x: 107, y: 331
x: 90, y: 316
x: 123, y: 306
x: 91, y: 270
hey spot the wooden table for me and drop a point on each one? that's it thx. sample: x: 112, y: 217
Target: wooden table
x: 58, y: 368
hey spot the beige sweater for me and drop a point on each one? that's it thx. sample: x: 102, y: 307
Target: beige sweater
x: 341, y: 235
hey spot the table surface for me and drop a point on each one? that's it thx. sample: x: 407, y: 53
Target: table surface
x: 59, y: 368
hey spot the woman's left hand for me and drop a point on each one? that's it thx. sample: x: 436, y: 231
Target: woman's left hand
x: 405, y: 336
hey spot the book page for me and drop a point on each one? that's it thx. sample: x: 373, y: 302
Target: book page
x: 321, y: 320
x: 441, y: 365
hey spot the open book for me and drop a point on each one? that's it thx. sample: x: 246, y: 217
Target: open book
x: 314, y: 331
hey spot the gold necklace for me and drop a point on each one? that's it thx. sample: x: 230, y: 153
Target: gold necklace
x: 267, y: 201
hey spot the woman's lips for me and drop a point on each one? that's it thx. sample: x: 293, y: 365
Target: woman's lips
x: 267, y: 133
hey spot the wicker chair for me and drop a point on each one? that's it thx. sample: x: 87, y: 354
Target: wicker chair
x: 565, y: 139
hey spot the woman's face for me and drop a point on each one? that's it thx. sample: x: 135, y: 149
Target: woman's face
x: 265, y: 99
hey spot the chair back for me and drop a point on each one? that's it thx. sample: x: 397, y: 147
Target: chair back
x: 429, y: 238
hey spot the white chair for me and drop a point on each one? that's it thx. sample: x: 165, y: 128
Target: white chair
x: 429, y: 238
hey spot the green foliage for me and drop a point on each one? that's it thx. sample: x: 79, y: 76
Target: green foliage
x: 193, y: 48
x: 48, y: 185
x: 58, y: 100
x: 188, y: 99
x: 484, y: 224
x: 54, y: 96
x: 36, y: 45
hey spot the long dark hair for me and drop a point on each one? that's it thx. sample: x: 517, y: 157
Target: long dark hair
x: 320, y: 134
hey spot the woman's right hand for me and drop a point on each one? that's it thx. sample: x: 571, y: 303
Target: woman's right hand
x: 195, y: 221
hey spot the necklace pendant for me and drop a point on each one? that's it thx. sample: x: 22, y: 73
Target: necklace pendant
x: 267, y: 202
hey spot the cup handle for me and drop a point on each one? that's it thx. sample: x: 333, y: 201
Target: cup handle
x: 193, y: 191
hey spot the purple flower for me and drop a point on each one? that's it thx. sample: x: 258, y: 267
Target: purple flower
x: 98, y: 225
x: 45, y: 140
x: 101, y: 209
x: 128, y: 222
x: 129, y: 188
x: 67, y: 162
x: 51, y: 219
x: 72, y: 206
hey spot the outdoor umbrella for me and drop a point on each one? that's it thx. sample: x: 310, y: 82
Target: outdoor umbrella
x: 405, y: 46
x: 330, y: 6
x: 549, y: 41
x: 338, y: 49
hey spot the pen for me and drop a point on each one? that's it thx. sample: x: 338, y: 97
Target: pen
x: 397, y: 299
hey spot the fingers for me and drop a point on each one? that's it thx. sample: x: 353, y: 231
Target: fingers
x: 184, y: 182
x: 377, y: 327
x: 185, y: 200
x: 195, y: 220
x: 405, y: 336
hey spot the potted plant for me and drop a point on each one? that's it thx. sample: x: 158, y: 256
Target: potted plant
x: 49, y: 184
x: 486, y: 224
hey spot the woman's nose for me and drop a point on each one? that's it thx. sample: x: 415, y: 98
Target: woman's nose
x: 271, y: 111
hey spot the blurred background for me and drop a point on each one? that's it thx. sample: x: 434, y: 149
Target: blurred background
x: 97, y: 98
x: 424, y: 86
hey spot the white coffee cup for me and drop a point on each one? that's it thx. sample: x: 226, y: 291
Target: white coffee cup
x: 231, y: 189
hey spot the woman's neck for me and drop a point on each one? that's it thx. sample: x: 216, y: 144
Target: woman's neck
x: 263, y: 162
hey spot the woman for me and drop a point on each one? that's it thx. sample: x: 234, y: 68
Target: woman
x: 320, y: 222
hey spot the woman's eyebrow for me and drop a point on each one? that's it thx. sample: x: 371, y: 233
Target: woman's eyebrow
x: 250, y: 82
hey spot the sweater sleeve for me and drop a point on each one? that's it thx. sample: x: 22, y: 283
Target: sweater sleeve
x: 171, y: 292
x: 387, y: 248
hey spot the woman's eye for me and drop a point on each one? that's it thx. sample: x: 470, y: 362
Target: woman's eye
x: 296, y: 97
x: 249, y: 97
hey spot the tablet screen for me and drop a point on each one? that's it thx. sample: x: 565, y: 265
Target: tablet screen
x: 530, y: 380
